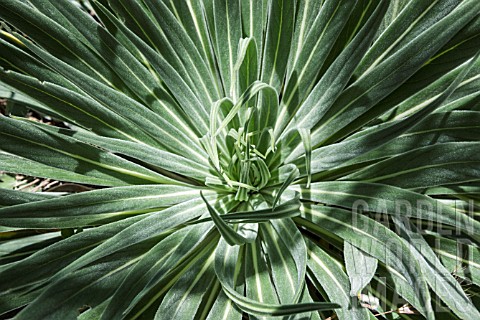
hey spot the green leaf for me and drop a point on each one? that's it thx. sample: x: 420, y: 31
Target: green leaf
x: 137, y: 77
x: 376, y: 240
x: 258, y: 284
x: 307, y: 11
x: 332, y: 82
x: 23, y: 243
x: 228, y: 32
x: 415, y: 18
x: 69, y: 155
x: 255, y: 88
x: 371, y: 197
x: 84, y: 288
x: 153, y: 277
x: 151, y: 227
x: 419, y: 90
x: 95, y: 207
x: 75, y: 108
x: 307, y: 145
x: 287, y: 253
x: 246, y: 67
x: 7, y: 92
x: 162, y: 159
x: 12, y: 197
x: 461, y: 126
x: 224, y: 309
x: 136, y: 279
x: 384, y: 78
x: 293, y: 174
x: 360, y: 267
x: 174, y: 81
x: 226, y: 259
x: 10, y: 163
x: 254, y: 17
x: 228, y: 233
x: 307, y: 62
x: 431, y: 166
x: 94, y: 313
x: 150, y: 122
x: 175, y: 36
x: 192, y: 17
x: 395, y: 8
x: 278, y: 38
x: 184, y: 298
x: 287, y: 209
x: 375, y: 138
x: 57, y: 40
x: 460, y: 258
x: 242, y: 158
x: 39, y: 267
x: 437, y: 276
x: 331, y: 278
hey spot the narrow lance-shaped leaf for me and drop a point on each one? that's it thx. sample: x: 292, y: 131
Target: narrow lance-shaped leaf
x: 57, y: 40
x: 278, y: 37
x: 329, y: 274
x: 92, y: 285
x: 438, y: 277
x: 307, y: 11
x: 376, y: 240
x: 170, y: 75
x: 191, y: 15
x: 185, y: 49
x: 228, y: 233
x: 441, y: 127
x: 307, y: 145
x: 409, y: 22
x: 455, y: 254
x: 330, y: 84
x: 386, y: 199
x: 131, y: 109
x: 332, y: 156
x: 337, y: 122
x: 11, y: 197
x: 170, y: 162
x: 228, y: 32
x: 245, y: 68
x: 293, y: 174
x: 153, y: 277
x: 288, y: 258
x: 95, y: 207
x: 136, y: 76
x: 254, y: 16
x: 255, y: 88
x: 308, y: 61
x: 191, y: 288
x: 54, y: 258
x: 258, y: 285
x: 151, y: 227
x: 67, y: 154
x: 226, y: 257
x: 360, y: 267
x: 432, y: 166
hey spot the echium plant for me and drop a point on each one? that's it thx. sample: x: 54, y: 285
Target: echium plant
x: 244, y: 158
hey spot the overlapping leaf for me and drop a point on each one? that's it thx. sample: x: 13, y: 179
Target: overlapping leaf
x: 330, y: 114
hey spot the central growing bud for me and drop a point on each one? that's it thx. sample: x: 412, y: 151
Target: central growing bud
x: 246, y: 169
x: 241, y: 145
x: 240, y: 141
x: 237, y: 151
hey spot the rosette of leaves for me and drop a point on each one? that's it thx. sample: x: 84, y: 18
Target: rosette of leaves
x: 247, y: 158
